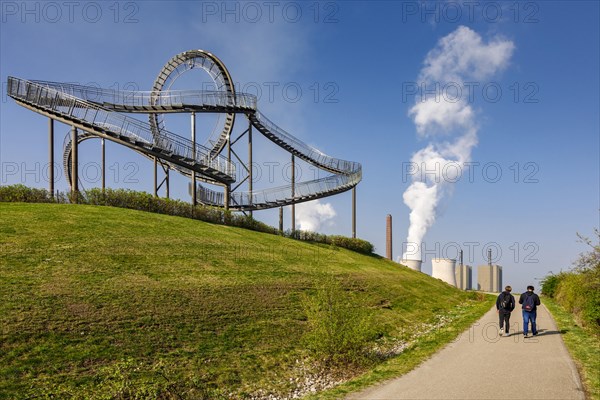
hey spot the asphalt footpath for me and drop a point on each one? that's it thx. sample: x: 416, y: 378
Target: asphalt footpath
x: 481, y: 364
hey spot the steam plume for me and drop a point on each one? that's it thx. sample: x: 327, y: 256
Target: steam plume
x: 460, y: 57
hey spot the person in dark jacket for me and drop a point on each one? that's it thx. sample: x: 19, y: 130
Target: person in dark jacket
x: 530, y: 301
x: 505, y: 303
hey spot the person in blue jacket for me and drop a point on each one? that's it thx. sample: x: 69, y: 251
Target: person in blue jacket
x: 530, y: 301
x: 505, y: 304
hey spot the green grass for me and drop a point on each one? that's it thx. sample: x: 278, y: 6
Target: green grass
x: 423, y: 348
x: 583, y: 345
x: 100, y: 302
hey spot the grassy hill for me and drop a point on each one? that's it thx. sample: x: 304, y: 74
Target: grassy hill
x: 100, y: 302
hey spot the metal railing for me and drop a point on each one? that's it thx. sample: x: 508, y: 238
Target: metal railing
x: 95, y: 107
x: 157, y: 100
x: 309, y: 153
x: 139, y: 133
x: 282, y: 195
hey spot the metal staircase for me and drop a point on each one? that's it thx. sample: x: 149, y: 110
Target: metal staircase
x: 49, y: 100
x: 98, y: 112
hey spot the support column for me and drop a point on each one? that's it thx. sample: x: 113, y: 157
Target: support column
x: 51, y: 156
x: 354, y: 212
x: 293, y: 194
x: 250, y: 163
x: 74, y: 163
x: 167, y: 182
x: 155, y: 177
x: 103, y: 164
x: 194, y: 198
x: 227, y: 187
x: 281, y: 220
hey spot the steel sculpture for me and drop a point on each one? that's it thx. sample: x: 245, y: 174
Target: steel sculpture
x: 93, y: 112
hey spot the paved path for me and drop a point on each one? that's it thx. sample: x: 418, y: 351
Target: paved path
x: 482, y: 365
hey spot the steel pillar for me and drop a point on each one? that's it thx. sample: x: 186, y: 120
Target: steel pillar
x: 155, y: 177
x: 293, y: 194
x: 103, y: 144
x: 354, y: 212
x: 74, y: 169
x: 167, y: 182
x: 51, y: 156
x: 281, y: 220
x: 250, y: 163
x: 227, y: 187
x: 194, y: 197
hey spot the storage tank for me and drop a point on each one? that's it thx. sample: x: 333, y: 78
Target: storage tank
x: 412, y: 264
x: 443, y: 268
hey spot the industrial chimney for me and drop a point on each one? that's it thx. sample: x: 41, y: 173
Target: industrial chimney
x: 388, y: 237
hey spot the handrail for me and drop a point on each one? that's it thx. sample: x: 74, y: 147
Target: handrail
x: 100, y: 108
x: 110, y: 98
x: 182, y: 98
x: 62, y: 103
x: 309, y: 153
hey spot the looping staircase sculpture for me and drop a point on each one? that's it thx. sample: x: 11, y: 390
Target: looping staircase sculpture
x: 105, y: 113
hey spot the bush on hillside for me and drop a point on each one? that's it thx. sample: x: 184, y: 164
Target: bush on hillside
x: 339, y: 330
x: 550, y: 285
x: 578, y: 291
x: 358, y: 245
x: 142, y: 201
x: 21, y: 193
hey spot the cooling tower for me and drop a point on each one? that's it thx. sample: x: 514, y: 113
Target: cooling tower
x: 443, y: 268
x: 412, y: 264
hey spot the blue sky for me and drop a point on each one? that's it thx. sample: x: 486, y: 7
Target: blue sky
x: 355, y: 64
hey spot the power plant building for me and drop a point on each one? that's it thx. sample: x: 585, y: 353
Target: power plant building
x: 489, y: 278
x: 464, y: 277
x: 497, y: 278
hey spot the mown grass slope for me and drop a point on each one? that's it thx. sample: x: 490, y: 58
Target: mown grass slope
x: 100, y: 301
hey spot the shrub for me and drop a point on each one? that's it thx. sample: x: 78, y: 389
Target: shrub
x: 22, y: 193
x: 142, y: 201
x: 339, y: 329
x: 578, y: 291
x: 358, y: 245
x: 550, y: 285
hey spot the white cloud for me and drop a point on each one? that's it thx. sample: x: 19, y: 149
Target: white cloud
x: 310, y: 216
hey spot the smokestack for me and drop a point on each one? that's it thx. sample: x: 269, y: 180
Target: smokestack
x: 388, y: 237
x: 460, y: 257
x: 490, y: 257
